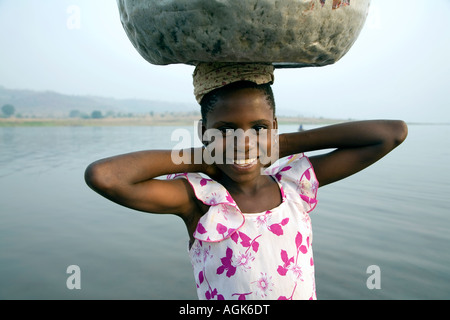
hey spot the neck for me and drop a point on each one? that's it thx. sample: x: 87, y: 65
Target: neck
x: 248, y: 188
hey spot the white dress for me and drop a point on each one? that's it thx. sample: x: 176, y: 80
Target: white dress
x: 265, y: 255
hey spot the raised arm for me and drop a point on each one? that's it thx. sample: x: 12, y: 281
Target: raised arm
x: 358, y: 145
x: 130, y: 180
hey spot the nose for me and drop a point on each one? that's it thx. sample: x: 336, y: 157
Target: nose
x: 245, y: 143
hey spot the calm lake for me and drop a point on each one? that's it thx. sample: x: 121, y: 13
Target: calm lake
x: 394, y: 215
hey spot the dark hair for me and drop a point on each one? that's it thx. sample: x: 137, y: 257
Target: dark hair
x: 210, y: 99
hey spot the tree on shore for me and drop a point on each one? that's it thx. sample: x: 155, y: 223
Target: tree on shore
x: 96, y: 114
x: 8, y: 110
x: 75, y: 114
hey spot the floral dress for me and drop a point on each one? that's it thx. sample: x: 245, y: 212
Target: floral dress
x: 265, y: 255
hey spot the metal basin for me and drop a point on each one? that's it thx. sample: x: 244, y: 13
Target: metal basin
x: 287, y: 33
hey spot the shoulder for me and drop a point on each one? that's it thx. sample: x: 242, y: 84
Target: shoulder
x: 205, y: 189
x: 297, y: 177
x: 291, y: 167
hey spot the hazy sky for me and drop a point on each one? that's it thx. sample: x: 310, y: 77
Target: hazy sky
x: 398, y: 68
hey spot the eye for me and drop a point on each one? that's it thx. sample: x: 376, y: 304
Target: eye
x: 226, y: 131
x: 260, y: 128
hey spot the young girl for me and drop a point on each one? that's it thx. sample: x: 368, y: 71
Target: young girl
x: 248, y: 224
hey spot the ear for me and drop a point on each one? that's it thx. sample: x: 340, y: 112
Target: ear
x: 275, y: 123
x: 201, y: 129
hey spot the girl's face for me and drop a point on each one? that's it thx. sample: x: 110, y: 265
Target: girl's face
x: 242, y: 125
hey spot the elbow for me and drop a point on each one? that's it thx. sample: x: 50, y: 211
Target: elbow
x: 393, y: 134
x: 400, y: 132
x: 98, y: 178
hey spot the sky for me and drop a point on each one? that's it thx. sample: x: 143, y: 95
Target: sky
x: 398, y: 68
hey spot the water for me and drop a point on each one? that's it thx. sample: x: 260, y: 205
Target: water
x: 394, y: 215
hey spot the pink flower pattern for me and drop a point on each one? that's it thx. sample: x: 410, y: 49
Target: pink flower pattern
x: 264, y: 255
x: 264, y: 285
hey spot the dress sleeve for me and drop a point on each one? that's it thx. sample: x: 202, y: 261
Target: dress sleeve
x: 298, y: 179
x: 223, y: 217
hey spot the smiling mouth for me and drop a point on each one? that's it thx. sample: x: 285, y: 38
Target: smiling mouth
x: 245, y: 162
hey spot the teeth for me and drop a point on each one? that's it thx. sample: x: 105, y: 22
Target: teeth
x: 242, y: 162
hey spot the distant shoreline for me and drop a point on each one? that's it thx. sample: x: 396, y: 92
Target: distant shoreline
x: 138, y: 121
x: 156, y: 121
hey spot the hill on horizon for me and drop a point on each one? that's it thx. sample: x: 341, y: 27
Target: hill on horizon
x: 54, y: 104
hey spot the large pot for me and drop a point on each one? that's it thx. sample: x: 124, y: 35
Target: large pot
x: 287, y: 33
